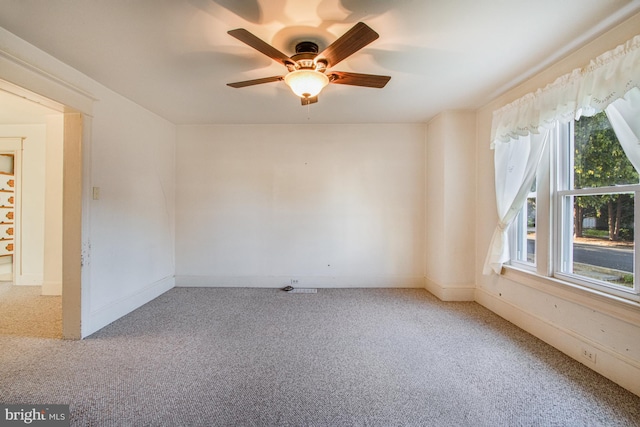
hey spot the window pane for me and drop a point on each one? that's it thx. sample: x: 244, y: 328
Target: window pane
x: 531, y: 230
x: 602, y: 247
x: 525, y: 229
x: 598, y: 156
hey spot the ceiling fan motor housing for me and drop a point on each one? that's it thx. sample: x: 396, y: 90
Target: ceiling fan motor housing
x: 306, y: 53
x: 307, y: 47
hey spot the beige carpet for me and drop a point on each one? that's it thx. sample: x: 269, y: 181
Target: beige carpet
x: 26, y: 313
x: 340, y: 357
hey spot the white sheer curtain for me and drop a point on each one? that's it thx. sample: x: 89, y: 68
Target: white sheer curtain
x: 526, y: 121
x: 516, y: 163
x: 624, y: 116
x: 584, y: 91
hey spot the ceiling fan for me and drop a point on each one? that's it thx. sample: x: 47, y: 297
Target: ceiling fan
x: 307, y: 69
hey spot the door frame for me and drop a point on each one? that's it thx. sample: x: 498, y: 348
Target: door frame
x: 23, y: 81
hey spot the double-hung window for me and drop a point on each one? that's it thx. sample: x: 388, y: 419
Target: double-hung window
x: 566, y: 161
x: 592, y: 215
x: 596, y: 189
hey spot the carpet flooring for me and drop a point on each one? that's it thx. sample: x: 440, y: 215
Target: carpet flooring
x: 341, y: 357
x: 25, y: 312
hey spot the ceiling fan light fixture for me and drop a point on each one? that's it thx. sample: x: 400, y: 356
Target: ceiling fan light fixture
x: 306, y: 69
x: 306, y: 83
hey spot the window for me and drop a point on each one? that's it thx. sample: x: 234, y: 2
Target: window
x: 591, y: 219
x: 578, y: 222
x: 523, y: 238
x: 595, y: 210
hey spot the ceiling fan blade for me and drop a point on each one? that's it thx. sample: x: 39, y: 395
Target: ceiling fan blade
x: 309, y: 100
x: 255, y: 82
x: 350, y: 42
x: 357, y: 79
x: 261, y: 46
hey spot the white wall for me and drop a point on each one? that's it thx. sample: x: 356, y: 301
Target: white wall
x: 328, y: 205
x: 128, y: 234
x: 52, y: 270
x: 132, y: 222
x: 569, y: 319
x: 450, y: 205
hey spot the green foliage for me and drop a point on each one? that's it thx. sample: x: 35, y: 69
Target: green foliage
x: 626, y: 234
x: 601, y: 234
x: 600, y: 161
x: 531, y: 212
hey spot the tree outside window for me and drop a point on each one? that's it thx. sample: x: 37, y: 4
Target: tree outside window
x: 599, y: 161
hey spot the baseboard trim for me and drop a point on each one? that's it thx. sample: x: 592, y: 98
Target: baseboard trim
x: 27, y: 280
x: 302, y: 281
x: 609, y: 363
x: 52, y: 288
x: 450, y: 293
x: 114, y: 310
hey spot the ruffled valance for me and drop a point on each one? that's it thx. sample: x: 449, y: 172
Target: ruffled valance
x: 585, y: 91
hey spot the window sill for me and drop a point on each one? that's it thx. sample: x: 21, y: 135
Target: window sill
x: 618, y: 307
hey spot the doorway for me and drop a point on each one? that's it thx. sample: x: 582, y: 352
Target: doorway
x: 31, y: 250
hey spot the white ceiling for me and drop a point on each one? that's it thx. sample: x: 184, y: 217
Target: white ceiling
x: 175, y: 57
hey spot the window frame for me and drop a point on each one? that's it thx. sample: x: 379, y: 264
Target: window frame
x: 552, y: 214
x: 542, y: 264
x: 518, y: 235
